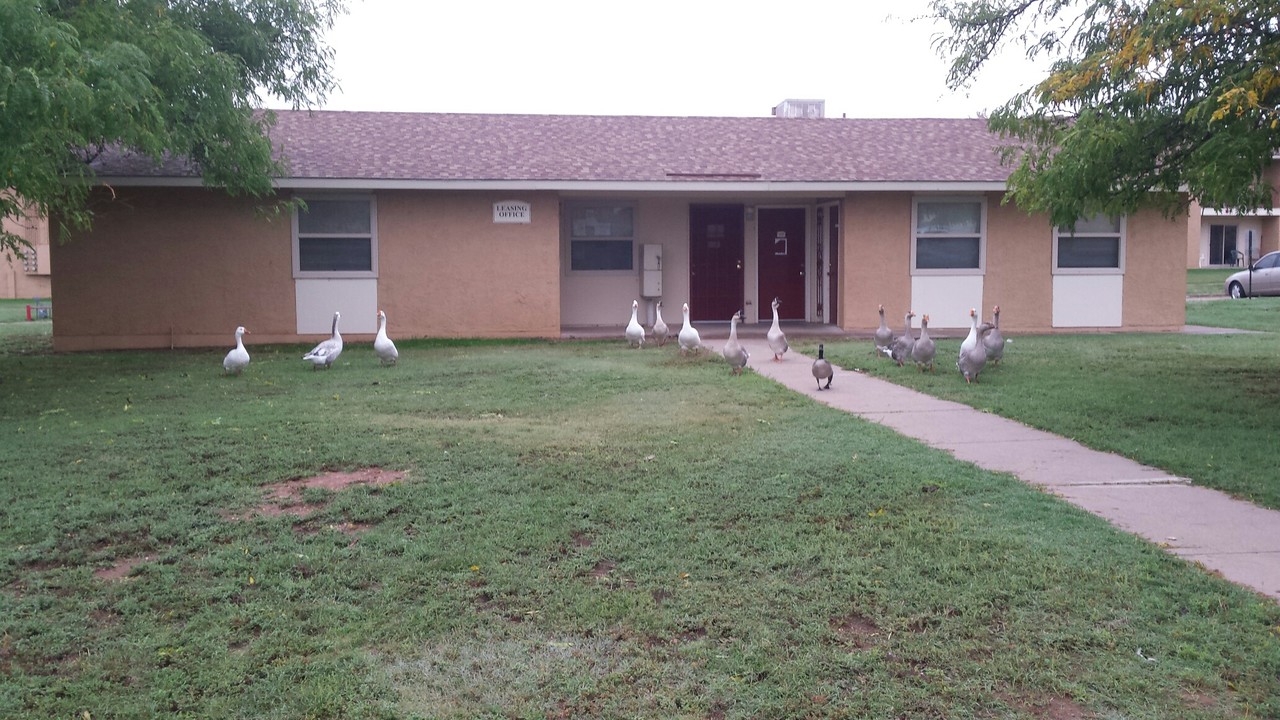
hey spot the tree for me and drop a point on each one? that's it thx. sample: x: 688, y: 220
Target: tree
x: 1142, y: 99
x: 166, y: 79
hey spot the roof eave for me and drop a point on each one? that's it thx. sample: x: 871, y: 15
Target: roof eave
x: 621, y: 186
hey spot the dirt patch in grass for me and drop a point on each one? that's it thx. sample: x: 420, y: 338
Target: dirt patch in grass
x: 856, y: 630
x: 285, y: 498
x: 1052, y: 708
x: 120, y: 569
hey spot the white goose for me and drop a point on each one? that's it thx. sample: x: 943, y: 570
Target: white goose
x: 323, y: 355
x: 690, y: 340
x: 971, y: 361
x: 777, y: 340
x: 635, y: 331
x: 382, y: 345
x: 660, y: 329
x: 238, y: 359
x: 972, y: 338
x: 733, y: 350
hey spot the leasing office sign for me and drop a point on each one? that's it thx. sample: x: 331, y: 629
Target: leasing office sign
x: 512, y: 211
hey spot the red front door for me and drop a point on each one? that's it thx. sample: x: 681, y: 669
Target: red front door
x: 781, y: 259
x: 715, y: 261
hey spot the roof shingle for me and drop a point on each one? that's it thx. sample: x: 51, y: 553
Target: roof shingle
x: 332, y: 145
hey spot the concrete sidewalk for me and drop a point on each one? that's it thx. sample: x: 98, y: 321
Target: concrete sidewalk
x: 1239, y: 540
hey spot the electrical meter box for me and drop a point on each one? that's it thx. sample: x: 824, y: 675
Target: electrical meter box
x: 651, y: 271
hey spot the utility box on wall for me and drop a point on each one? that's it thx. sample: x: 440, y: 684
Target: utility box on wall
x: 651, y: 271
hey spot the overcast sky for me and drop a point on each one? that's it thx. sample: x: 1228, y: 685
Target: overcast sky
x: 865, y: 58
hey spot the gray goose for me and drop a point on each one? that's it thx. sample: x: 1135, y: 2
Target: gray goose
x: 884, y: 336
x: 777, y: 340
x: 733, y: 350
x: 901, y: 350
x: 822, y: 370
x: 924, y: 350
x: 660, y: 329
x: 994, y: 340
x: 324, y: 354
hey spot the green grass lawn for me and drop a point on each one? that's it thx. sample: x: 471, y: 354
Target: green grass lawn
x: 1200, y: 406
x: 1259, y: 313
x: 1207, y: 282
x: 582, y: 530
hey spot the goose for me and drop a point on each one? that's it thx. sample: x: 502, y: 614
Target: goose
x: 972, y: 337
x: 382, y: 344
x: 924, y: 350
x: 971, y: 362
x: 635, y: 331
x: 822, y: 370
x: 660, y: 329
x: 238, y: 359
x: 901, y: 350
x: 689, y: 339
x: 777, y: 340
x: 323, y: 355
x: 994, y: 340
x: 733, y: 350
x: 884, y: 336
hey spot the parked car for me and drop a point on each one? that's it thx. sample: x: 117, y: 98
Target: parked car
x: 1263, y: 280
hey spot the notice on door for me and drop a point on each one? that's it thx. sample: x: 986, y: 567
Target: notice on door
x: 512, y: 211
x: 780, y: 243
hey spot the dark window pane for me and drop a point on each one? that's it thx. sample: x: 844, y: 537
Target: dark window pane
x: 335, y: 254
x: 334, y: 217
x: 600, y: 255
x: 947, y: 253
x: 1088, y: 252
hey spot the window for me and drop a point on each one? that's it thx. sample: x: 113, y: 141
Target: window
x: 335, y: 237
x: 1222, y: 244
x: 601, y: 236
x: 950, y: 234
x: 1095, y: 245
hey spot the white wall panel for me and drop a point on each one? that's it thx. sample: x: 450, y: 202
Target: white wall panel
x: 318, y: 299
x: 946, y: 299
x: 1088, y: 300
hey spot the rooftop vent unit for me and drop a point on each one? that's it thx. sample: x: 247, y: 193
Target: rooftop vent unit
x: 801, y: 109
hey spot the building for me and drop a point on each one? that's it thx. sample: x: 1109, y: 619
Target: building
x: 26, y: 274
x: 533, y: 225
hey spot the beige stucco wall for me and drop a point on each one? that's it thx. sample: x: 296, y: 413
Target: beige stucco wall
x: 1019, y: 275
x: 15, y: 281
x: 875, y: 259
x: 184, y: 267
x: 1155, y: 279
x: 447, y: 270
x: 603, y: 299
x: 173, y: 268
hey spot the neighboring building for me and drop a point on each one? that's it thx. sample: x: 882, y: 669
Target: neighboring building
x: 534, y: 225
x: 26, y: 275
x: 1221, y: 239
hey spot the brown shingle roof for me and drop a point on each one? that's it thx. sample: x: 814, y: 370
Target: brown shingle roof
x: 328, y: 145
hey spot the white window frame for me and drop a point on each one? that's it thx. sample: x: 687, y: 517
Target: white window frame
x: 1119, y: 270
x: 981, y: 201
x: 567, y: 212
x: 372, y: 272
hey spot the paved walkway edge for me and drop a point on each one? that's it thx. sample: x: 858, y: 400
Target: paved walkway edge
x: 1235, y: 539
